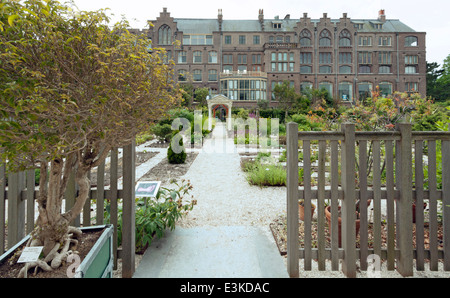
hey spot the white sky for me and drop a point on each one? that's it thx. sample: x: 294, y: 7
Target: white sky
x: 432, y: 16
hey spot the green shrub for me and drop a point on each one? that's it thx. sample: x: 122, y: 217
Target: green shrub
x: 155, y: 216
x: 163, y: 132
x: 176, y: 158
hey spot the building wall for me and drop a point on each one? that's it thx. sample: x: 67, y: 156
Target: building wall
x: 389, y: 55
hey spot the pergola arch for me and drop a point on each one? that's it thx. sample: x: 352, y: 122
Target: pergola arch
x: 219, y: 101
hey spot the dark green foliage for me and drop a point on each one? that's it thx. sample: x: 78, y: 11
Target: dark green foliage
x: 176, y: 158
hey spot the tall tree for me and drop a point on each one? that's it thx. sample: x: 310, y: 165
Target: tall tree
x: 285, y: 95
x: 71, y: 88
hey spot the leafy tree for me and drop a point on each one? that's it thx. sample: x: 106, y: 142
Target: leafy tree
x: 200, y: 95
x: 286, y: 96
x: 433, y: 73
x: 71, y: 88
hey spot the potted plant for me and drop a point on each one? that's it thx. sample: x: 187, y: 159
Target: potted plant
x: 67, y: 97
x: 301, y: 209
x: 357, y: 221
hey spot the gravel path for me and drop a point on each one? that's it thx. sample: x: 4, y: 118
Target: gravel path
x: 224, y: 197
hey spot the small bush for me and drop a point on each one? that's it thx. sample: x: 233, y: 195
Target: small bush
x: 176, y: 158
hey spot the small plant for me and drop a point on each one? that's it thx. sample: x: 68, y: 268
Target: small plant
x: 155, y: 215
x: 176, y: 158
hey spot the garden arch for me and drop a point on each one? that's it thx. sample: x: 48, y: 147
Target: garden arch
x: 219, y: 101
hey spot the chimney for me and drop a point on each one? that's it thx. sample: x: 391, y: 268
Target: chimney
x: 220, y: 18
x: 381, y: 15
x: 261, y: 18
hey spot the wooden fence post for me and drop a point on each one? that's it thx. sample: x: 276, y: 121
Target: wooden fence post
x: 348, y: 228
x: 404, y: 202
x: 292, y: 199
x: 446, y: 200
x: 128, y: 215
x: 113, y: 199
x: 2, y: 206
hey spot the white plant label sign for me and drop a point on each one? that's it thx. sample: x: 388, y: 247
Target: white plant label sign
x: 30, y: 254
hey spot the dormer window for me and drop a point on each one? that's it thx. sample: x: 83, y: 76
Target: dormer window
x: 276, y: 25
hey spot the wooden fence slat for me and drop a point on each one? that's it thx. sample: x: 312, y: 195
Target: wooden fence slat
x: 390, y: 205
x: 404, y: 210
x: 100, y: 194
x: 113, y: 199
x: 334, y: 205
x: 363, y: 231
x: 2, y: 206
x: 87, y: 208
x: 377, y: 198
x: 432, y: 186
x: 321, y: 206
x: 306, y: 147
x: 13, y: 198
x: 128, y: 211
x: 30, y: 200
x: 348, y: 228
x: 418, y: 174
x: 446, y: 201
x: 292, y: 199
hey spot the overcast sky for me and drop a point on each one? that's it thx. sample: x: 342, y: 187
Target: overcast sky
x: 432, y: 16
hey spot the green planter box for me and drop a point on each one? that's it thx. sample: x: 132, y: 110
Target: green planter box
x: 98, y: 263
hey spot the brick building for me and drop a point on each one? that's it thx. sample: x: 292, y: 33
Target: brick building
x: 244, y: 59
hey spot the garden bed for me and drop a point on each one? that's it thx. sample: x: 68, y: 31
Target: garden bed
x: 10, y: 268
x: 279, y: 231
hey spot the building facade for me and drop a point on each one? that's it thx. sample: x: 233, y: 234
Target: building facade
x: 245, y: 59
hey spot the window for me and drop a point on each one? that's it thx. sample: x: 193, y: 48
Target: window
x: 167, y: 57
x: 411, y: 87
x: 410, y: 69
x: 291, y: 56
x: 325, y: 38
x: 279, y: 39
x: 227, y: 39
x: 305, y: 38
x: 358, y: 25
x: 227, y: 59
x: 384, y: 58
x: 385, y: 88
x: 182, y: 75
x: 198, y: 39
x: 384, y: 69
x: 305, y: 58
x: 287, y: 39
x: 227, y: 68
x: 327, y: 86
x: 365, y: 41
x: 364, y: 90
x: 365, y: 57
x: 242, y: 68
x: 271, y: 39
x: 345, y: 38
x: 242, y: 59
x: 305, y: 87
x: 212, y: 75
x: 324, y: 69
x: 384, y: 41
x: 165, y: 35
x: 345, y: 91
x: 411, y: 59
x: 364, y: 69
x: 345, y: 58
x: 273, y: 66
x: 345, y: 69
x: 212, y: 57
x: 197, y: 75
x: 411, y: 41
x: 241, y: 39
x: 305, y: 69
x: 256, y: 59
x: 256, y: 39
x: 276, y: 25
x: 197, y: 58
x: 274, y: 57
x: 324, y: 58
x: 182, y: 57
